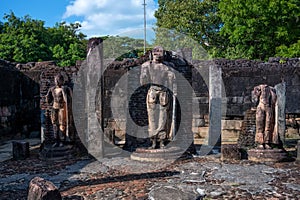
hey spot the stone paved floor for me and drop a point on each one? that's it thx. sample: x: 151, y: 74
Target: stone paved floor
x: 121, y: 178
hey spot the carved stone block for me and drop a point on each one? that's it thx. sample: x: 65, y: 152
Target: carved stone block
x: 41, y: 189
x: 20, y: 150
x: 230, y: 152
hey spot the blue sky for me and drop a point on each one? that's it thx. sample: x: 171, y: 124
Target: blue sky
x: 97, y: 17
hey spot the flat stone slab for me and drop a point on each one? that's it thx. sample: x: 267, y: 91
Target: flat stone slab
x: 124, y: 178
x: 171, y: 193
x: 267, y: 155
x: 156, y: 155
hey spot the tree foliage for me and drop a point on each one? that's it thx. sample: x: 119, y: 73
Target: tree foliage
x: 253, y: 29
x: 196, y: 19
x: 22, y: 39
x: 292, y: 51
x: 257, y: 28
x: 67, y: 46
x: 28, y: 40
x: 117, y: 47
x: 172, y: 40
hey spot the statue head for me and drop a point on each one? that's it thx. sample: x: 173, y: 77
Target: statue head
x: 158, y: 54
x: 59, y: 80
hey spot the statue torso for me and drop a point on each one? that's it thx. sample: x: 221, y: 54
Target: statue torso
x: 58, y: 97
x: 155, y: 73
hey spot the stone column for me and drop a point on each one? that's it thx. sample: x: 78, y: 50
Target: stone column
x: 94, y: 135
x: 298, y: 151
x: 215, y: 106
x: 280, y: 110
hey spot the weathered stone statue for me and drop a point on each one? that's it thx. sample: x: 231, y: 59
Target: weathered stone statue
x: 61, y: 116
x: 266, y: 98
x: 158, y: 73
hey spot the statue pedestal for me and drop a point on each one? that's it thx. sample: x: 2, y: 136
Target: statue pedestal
x: 56, y: 153
x: 157, y: 155
x: 267, y: 155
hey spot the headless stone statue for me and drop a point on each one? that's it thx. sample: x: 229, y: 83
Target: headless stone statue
x: 266, y: 98
x: 158, y: 73
x: 59, y: 96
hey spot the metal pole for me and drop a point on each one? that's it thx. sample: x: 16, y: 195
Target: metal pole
x: 144, y: 4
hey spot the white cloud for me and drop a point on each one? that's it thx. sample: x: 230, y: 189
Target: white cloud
x: 110, y: 17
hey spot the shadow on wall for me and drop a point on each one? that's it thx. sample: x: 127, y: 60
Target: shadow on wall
x: 19, y: 102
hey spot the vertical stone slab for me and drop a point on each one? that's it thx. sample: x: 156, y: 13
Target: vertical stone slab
x: 20, y: 150
x: 94, y: 72
x: 280, y: 110
x: 298, y: 151
x: 79, y: 103
x: 137, y: 109
x: 43, y: 126
x: 215, y: 106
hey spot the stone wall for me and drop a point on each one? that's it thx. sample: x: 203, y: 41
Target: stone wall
x: 23, y: 86
x: 19, y: 101
x: 22, y: 89
x: 125, y: 99
x: 48, y: 70
x: 239, y: 78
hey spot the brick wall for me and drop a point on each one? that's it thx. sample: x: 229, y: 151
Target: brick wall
x: 48, y: 70
x: 123, y: 92
x: 19, y: 101
x: 239, y: 78
x: 22, y: 89
x: 22, y: 85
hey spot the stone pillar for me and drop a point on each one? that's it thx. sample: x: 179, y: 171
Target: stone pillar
x: 20, y: 150
x: 43, y: 122
x: 215, y: 106
x: 137, y: 111
x: 298, y: 151
x: 280, y: 110
x: 94, y: 135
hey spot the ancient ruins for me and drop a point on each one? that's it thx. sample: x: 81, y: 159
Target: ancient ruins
x: 240, y: 110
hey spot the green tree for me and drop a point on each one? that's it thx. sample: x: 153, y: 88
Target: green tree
x: 257, y: 28
x: 172, y: 40
x: 27, y: 40
x: 196, y: 19
x: 117, y: 47
x: 66, y: 44
x: 293, y: 51
x: 22, y: 39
